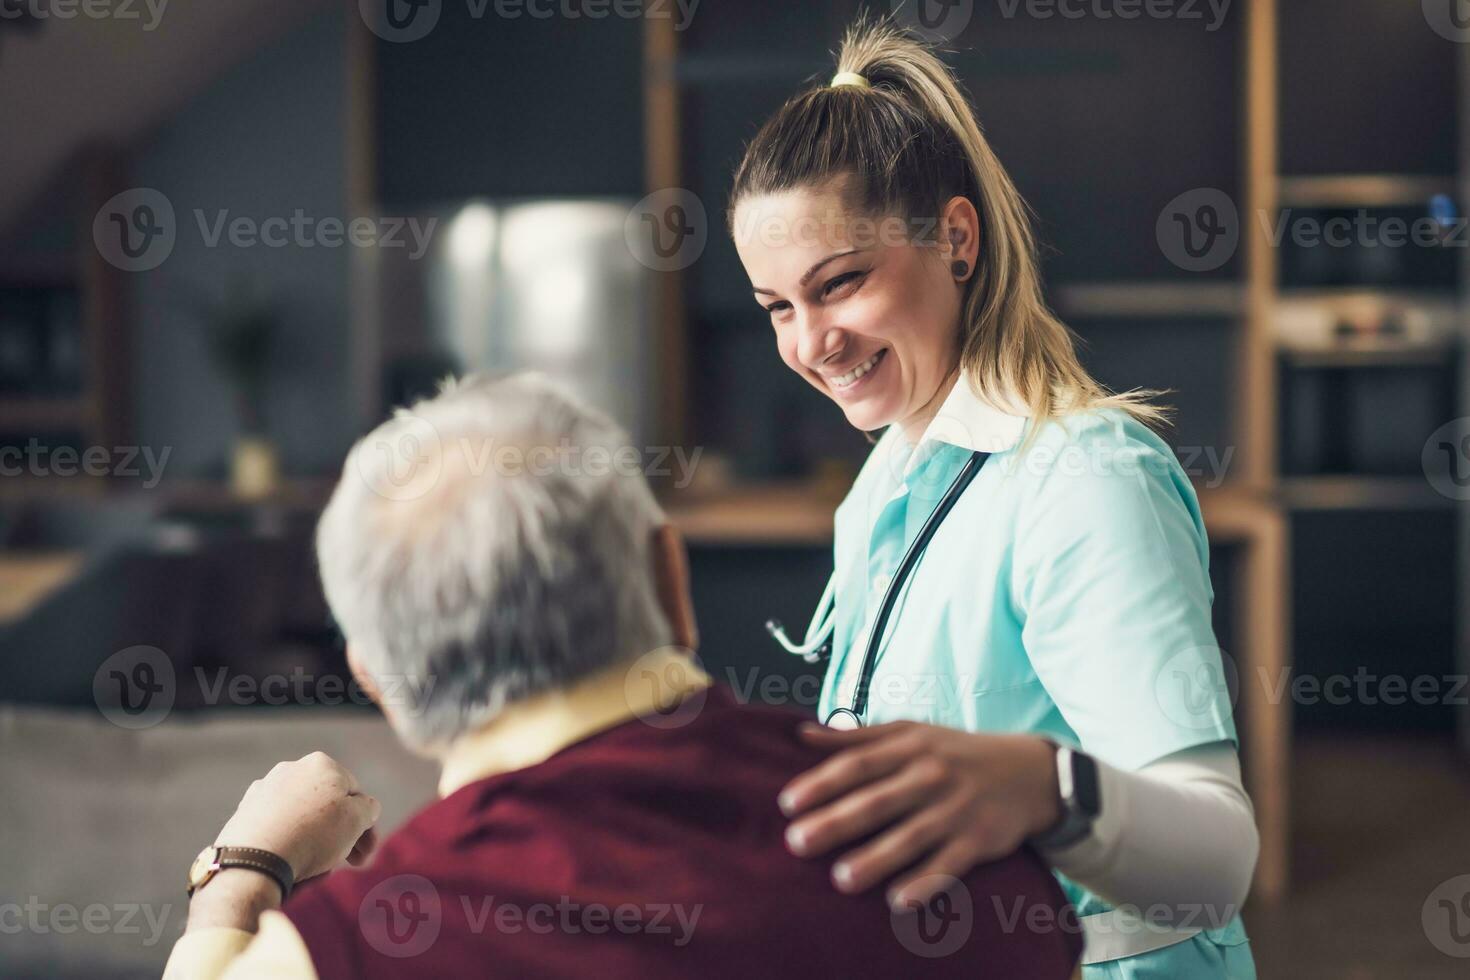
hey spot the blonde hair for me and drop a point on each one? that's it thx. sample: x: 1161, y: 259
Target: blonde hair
x: 905, y: 144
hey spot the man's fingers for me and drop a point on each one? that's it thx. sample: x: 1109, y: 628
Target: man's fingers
x: 365, y: 809
x: 364, y: 848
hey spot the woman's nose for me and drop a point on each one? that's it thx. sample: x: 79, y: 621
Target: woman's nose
x: 817, y: 339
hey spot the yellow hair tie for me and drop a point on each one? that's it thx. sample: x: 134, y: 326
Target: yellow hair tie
x: 849, y: 78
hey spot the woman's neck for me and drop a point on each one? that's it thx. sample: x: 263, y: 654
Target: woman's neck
x: 915, y: 425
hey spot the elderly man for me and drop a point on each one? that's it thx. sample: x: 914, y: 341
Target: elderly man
x: 520, y: 609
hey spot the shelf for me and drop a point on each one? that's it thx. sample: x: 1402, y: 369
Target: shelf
x: 44, y: 414
x: 1420, y: 296
x: 1364, y: 356
x: 796, y: 514
x: 1361, y: 190
x: 1151, y: 299
x: 769, y: 514
x: 1396, y: 326
x: 1350, y: 492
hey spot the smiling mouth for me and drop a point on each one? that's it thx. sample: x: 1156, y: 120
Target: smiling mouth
x: 843, y: 382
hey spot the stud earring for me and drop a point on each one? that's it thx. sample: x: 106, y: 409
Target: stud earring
x: 960, y: 268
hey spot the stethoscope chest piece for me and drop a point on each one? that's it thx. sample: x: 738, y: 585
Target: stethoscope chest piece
x: 844, y: 720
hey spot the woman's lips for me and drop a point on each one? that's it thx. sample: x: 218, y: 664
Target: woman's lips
x: 848, y: 383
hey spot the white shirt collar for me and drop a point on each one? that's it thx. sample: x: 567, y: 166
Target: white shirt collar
x: 969, y: 421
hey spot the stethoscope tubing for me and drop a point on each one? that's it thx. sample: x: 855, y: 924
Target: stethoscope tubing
x: 818, y: 642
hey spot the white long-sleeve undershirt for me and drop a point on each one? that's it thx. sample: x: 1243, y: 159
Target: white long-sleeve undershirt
x: 1175, y: 841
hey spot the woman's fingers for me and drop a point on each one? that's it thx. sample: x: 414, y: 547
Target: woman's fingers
x: 826, y: 737
x: 899, y: 847
x: 852, y: 767
x: 954, y: 860
x: 867, y: 808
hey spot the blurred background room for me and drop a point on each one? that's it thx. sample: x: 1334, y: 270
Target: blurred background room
x: 234, y: 234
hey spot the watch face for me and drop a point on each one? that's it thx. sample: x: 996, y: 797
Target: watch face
x: 1084, y: 784
x: 203, y: 864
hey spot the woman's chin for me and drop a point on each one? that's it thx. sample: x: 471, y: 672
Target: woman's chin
x: 868, y: 415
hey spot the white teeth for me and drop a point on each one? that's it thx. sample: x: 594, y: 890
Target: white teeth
x: 843, y: 380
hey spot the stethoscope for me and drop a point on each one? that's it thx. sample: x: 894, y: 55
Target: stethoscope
x: 817, y: 645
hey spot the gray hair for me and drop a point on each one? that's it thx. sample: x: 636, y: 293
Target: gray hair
x: 475, y: 554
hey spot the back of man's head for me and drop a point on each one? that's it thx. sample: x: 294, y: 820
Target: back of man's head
x: 486, y: 545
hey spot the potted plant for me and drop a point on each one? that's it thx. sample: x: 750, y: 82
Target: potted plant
x: 240, y: 334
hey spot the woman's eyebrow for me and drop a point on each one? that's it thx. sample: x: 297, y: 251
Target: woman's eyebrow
x: 807, y: 276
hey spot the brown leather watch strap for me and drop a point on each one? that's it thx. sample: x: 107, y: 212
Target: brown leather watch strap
x: 271, y: 865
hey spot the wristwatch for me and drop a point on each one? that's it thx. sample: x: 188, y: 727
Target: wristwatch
x: 214, y: 859
x: 1080, y: 798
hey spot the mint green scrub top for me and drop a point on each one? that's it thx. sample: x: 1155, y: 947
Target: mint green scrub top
x: 1067, y: 594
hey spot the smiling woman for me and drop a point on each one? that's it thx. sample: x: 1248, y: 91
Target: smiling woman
x: 1019, y: 677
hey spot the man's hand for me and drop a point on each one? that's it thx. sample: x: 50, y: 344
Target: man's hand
x: 312, y: 812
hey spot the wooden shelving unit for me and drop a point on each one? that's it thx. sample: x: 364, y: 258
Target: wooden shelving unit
x: 99, y: 412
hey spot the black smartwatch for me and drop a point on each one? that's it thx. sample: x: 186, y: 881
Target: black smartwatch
x: 1080, y: 799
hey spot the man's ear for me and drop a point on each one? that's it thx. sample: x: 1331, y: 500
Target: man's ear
x: 364, y: 679
x: 671, y: 578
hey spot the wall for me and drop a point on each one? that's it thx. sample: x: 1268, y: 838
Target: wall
x: 264, y: 141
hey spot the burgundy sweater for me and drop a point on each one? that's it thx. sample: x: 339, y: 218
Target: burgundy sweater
x: 648, y: 852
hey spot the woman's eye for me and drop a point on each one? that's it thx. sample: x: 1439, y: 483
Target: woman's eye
x: 842, y: 280
x: 777, y: 306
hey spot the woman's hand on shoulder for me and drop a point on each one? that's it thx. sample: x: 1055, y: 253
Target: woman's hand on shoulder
x: 935, y: 801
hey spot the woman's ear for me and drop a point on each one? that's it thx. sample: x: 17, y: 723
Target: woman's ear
x: 671, y: 578
x: 961, y: 229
